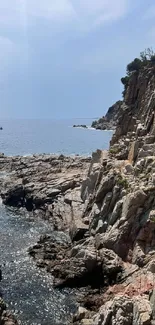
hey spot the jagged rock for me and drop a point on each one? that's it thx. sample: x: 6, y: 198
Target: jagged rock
x: 81, y: 314
x: 116, y: 212
x: 105, y: 186
x: 142, y: 312
x: 119, y: 311
x: 149, y: 139
x: 106, y: 203
x: 88, y: 185
x: 128, y: 169
x: 111, y: 263
x: 77, y: 230
x: 141, y: 130
x: 101, y: 226
x: 122, y: 235
x: 48, y: 185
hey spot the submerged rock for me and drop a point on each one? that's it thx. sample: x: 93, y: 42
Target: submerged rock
x: 80, y: 126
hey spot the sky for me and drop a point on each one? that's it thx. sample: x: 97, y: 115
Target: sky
x: 65, y: 58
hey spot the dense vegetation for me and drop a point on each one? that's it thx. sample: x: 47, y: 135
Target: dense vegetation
x: 147, y: 58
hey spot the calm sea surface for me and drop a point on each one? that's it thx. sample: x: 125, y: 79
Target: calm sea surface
x: 23, y: 137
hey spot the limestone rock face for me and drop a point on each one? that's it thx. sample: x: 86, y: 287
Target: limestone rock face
x: 120, y: 208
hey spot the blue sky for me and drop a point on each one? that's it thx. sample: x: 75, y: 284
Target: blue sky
x: 65, y: 58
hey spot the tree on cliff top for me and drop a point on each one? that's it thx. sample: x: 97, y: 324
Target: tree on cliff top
x: 135, y: 65
x: 147, y: 58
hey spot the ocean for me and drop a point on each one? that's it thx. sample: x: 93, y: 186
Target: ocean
x: 25, y: 137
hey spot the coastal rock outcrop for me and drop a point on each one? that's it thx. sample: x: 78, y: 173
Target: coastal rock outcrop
x: 110, y: 120
x: 45, y: 185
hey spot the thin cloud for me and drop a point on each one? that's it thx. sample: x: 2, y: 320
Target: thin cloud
x: 100, y: 11
x: 85, y: 13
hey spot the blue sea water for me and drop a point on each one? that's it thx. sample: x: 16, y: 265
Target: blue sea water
x: 24, y: 137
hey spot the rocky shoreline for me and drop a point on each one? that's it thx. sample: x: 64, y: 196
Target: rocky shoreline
x: 107, y: 205
x: 46, y: 186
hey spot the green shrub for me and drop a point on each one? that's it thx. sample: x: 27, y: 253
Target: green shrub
x: 147, y: 57
x: 123, y: 182
x: 114, y: 150
x: 135, y: 65
x: 125, y: 80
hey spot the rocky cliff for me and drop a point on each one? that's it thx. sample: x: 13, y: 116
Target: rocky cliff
x: 120, y: 207
x: 110, y: 120
x: 119, y: 194
x: 110, y: 214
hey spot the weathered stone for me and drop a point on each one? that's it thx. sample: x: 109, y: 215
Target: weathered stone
x: 111, y: 262
x: 78, y: 230
x: 101, y: 226
x: 128, y: 169
x: 142, y: 312
x: 119, y: 311
x: 116, y: 214
x: 81, y: 313
x: 105, y: 186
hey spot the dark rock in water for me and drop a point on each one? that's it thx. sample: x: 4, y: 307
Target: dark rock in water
x: 1, y: 128
x: 80, y: 126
